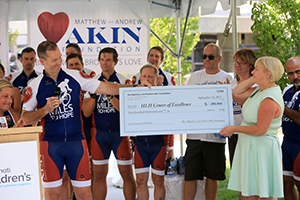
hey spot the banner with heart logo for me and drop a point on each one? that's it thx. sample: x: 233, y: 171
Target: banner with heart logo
x: 93, y: 26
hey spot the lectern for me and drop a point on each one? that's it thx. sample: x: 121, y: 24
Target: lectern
x: 20, y: 169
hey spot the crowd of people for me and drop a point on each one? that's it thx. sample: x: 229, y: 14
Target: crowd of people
x: 81, y: 125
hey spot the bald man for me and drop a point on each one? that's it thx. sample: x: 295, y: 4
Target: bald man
x: 291, y: 130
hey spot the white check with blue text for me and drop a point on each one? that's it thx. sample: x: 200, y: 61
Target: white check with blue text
x: 175, y: 109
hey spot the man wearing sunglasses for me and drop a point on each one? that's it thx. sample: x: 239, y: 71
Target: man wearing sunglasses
x: 205, y: 153
x: 291, y: 130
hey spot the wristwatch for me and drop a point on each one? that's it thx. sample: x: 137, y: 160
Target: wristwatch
x: 93, y: 96
x: 109, y: 97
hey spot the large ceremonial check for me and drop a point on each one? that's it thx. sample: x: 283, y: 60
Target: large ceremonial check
x: 175, y: 109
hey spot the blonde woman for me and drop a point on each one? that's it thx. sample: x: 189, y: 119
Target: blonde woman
x: 257, y: 163
x: 6, y: 99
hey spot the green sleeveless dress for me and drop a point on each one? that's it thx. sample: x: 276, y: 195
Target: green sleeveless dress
x: 257, y: 163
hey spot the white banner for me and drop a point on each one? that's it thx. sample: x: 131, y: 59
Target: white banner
x: 19, y: 171
x: 93, y: 26
x: 4, y: 35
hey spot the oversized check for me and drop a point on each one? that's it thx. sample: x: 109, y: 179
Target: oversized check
x: 175, y: 109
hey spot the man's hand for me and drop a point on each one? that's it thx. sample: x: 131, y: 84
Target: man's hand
x: 52, y: 103
x: 225, y: 82
x: 145, y: 83
x: 160, y: 80
x: 20, y: 123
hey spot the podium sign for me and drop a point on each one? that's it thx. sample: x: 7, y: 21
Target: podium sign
x: 20, y: 171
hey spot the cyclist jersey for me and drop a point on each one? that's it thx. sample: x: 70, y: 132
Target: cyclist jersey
x: 106, y: 117
x: 68, y: 126
x: 290, y: 129
x: 20, y: 80
x: 9, y: 119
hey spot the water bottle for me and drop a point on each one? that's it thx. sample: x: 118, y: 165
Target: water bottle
x: 181, y: 166
x: 172, y: 170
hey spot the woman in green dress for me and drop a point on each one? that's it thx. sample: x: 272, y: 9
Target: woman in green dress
x: 257, y: 165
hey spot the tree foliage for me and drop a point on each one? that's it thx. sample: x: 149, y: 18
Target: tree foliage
x: 12, y: 36
x: 165, y: 28
x: 276, y: 30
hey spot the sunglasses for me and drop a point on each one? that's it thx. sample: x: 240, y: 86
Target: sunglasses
x: 210, y: 57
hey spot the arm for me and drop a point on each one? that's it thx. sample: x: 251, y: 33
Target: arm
x: 116, y: 103
x: 267, y: 111
x: 240, y: 101
x: 88, y: 106
x: 18, y: 121
x: 31, y: 117
x: 113, y: 88
x: 244, y: 89
x: 17, y: 101
x: 292, y: 114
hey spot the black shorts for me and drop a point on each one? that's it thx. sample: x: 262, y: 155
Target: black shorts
x: 204, y: 159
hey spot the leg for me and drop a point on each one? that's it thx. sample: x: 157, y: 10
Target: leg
x: 190, y: 189
x: 193, y: 168
x: 52, y: 193
x: 83, y: 193
x: 250, y: 198
x: 159, y: 187
x: 257, y: 198
x: 142, y: 187
x: 298, y: 187
x: 99, y: 181
x: 129, y: 187
x: 211, y: 189
x: 289, y: 189
x: 171, y: 146
x: 66, y: 187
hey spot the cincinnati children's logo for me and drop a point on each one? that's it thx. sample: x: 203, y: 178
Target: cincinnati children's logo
x: 9, y: 179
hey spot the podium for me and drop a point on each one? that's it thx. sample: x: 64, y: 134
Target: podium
x: 20, y: 169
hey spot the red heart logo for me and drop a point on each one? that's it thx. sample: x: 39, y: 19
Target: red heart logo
x: 53, y: 27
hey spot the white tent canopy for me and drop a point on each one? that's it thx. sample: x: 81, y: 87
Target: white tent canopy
x: 17, y: 10
x: 159, y: 8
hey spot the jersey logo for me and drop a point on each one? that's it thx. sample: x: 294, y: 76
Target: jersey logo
x: 291, y: 103
x: 93, y: 74
x: 65, y: 90
x: 173, y: 81
x: 104, y: 106
x: 9, y: 77
x: 28, y: 94
x: 65, y: 108
x: 128, y: 82
x: 84, y: 75
x: 133, y: 79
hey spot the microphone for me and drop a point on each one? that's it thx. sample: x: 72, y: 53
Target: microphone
x: 56, y: 110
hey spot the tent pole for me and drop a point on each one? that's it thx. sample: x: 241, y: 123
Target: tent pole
x: 184, y: 28
x: 178, y: 61
x: 234, y: 28
x: 226, y: 30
